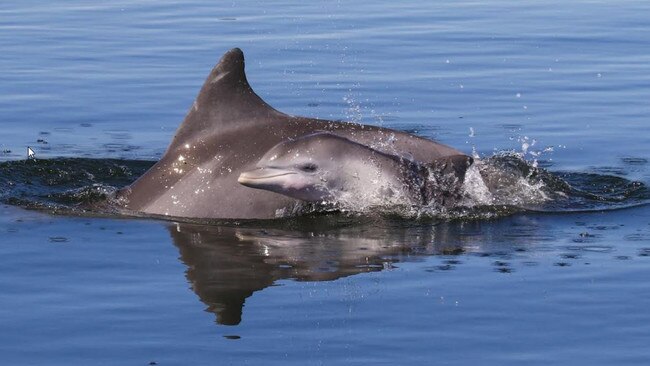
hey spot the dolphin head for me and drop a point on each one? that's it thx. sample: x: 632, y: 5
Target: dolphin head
x: 302, y: 168
x: 316, y: 167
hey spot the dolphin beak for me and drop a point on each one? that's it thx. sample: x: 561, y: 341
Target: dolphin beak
x: 261, y: 176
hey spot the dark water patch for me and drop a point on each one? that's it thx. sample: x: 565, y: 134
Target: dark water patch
x: 58, y: 239
x: 452, y: 251
x: 502, y: 266
x: 570, y: 256
x: 66, y: 184
x: 634, y: 161
x: 452, y: 261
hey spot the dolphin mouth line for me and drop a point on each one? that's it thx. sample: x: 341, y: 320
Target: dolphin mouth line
x: 245, y: 177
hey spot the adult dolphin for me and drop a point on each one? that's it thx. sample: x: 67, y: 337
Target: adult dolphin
x: 226, y: 131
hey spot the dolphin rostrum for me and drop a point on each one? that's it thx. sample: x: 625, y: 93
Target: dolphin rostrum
x: 226, y: 131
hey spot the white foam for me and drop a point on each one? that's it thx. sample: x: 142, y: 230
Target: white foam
x: 475, y: 189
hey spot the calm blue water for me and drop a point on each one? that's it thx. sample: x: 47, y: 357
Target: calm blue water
x: 114, y: 80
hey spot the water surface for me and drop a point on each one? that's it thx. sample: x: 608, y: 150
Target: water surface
x: 564, y: 84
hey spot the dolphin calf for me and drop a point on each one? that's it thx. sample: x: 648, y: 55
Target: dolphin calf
x: 227, y: 130
x: 327, y: 167
x: 324, y: 167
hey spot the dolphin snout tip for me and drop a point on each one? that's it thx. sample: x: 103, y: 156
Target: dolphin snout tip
x: 243, y: 178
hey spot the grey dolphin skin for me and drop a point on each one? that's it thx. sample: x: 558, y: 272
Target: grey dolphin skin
x: 324, y: 167
x: 227, y: 131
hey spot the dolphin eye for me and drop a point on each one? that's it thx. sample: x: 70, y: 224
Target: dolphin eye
x: 308, y: 167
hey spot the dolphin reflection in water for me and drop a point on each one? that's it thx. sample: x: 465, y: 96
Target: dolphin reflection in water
x: 227, y: 264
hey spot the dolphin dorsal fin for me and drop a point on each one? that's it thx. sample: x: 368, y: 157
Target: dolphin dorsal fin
x: 225, y: 100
